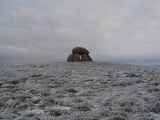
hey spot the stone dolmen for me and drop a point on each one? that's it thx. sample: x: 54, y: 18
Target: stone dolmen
x: 79, y: 54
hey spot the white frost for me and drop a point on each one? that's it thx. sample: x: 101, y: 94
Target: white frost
x: 84, y: 90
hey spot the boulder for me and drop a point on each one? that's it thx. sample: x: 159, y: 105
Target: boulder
x: 76, y: 58
x: 80, y: 51
x: 84, y: 57
x: 70, y: 58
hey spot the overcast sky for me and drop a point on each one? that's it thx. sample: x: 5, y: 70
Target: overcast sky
x: 38, y: 31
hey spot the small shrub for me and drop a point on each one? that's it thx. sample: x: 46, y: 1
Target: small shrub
x: 22, y: 107
x: 156, y: 90
x: 49, y: 101
x: 156, y: 84
x: 122, y: 104
x: 78, y: 100
x: 46, y: 94
x: 156, y: 109
x: 105, y: 113
x: 23, y: 98
x: 30, y: 114
x: 84, y: 107
x: 128, y: 109
x: 71, y: 91
x: 55, y: 113
x: 2, y: 104
x: 33, y: 91
x: 36, y: 75
x: 131, y: 75
x: 118, y: 117
x: 139, y: 81
x: 36, y: 101
x: 14, y: 82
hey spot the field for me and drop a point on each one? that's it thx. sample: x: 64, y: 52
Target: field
x: 79, y: 91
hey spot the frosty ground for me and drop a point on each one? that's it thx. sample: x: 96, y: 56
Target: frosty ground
x: 79, y: 91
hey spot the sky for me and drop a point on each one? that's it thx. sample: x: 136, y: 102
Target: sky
x: 40, y: 31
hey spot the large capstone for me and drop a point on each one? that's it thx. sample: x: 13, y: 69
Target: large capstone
x: 80, y: 51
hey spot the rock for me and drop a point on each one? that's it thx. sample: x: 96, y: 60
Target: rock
x: 70, y: 58
x: 80, y: 51
x: 89, y: 58
x: 76, y: 58
x: 79, y: 54
x: 84, y: 57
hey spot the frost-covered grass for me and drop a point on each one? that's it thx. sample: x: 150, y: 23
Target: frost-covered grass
x: 79, y: 91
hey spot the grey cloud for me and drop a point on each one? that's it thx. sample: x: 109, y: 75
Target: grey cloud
x: 47, y: 30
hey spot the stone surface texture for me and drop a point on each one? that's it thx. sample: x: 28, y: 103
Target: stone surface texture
x: 89, y: 57
x: 84, y: 57
x: 76, y: 58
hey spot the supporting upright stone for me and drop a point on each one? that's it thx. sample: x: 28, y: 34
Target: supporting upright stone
x: 84, y: 57
x: 89, y: 58
x: 70, y: 58
x: 76, y: 58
